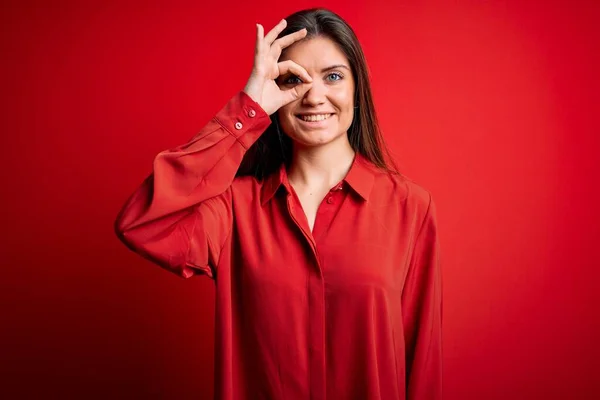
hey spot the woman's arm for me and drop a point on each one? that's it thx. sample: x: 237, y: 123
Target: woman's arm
x: 422, y: 314
x: 181, y: 214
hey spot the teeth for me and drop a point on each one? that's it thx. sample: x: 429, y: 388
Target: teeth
x: 315, y: 118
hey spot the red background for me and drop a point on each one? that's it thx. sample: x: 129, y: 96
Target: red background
x: 492, y: 106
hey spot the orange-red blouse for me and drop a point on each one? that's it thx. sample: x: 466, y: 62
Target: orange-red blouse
x: 351, y: 310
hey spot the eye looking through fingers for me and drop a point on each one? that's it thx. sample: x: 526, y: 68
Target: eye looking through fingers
x: 292, y: 79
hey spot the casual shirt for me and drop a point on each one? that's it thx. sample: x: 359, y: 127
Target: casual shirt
x: 351, y: 309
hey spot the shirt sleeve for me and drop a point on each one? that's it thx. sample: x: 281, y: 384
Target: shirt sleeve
x: 181, y: 214
x: 422, y: 314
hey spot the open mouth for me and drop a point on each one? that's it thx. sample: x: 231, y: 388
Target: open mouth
x: 314, y: 118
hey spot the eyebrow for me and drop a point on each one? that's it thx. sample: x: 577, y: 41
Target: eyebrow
x: 334, y: 67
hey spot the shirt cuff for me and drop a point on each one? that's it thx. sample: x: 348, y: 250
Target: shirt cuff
x: 243, y: 118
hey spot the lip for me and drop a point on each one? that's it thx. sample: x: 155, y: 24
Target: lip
x: 314, y: 124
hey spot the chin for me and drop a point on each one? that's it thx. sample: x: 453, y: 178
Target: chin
x: 315, y: 138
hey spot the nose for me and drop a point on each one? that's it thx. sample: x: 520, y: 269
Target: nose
x: 316, y: 94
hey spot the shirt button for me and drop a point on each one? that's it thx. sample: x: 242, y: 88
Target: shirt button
x: 330, y: 199
x: 238, y: 125
x: 252, y: 113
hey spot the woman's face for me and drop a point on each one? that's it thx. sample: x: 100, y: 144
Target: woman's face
x: 325, y: 112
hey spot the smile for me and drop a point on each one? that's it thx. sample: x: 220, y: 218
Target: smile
x: 314, y: 118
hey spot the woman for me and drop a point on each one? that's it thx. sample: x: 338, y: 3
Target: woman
x: 326, y: 262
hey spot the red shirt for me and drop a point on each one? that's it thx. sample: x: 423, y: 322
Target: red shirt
x: 351, y: 310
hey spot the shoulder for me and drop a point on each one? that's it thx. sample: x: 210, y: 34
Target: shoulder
x: 246, y: 183
x: 411, y: 201
x: 401, y: 188
x: 246, y: 189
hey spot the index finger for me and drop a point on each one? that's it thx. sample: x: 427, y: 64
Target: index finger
x: 273, y: 33
x: 291, y: 38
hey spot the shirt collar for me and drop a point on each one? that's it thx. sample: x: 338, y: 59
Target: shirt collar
x: 360, y: 178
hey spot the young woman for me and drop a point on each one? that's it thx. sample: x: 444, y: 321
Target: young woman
x: 326, y: 261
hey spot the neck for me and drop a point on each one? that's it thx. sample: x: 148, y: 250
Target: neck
x: 320, y: 167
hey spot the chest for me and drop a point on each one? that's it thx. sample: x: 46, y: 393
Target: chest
x: 353, y: 246
x: 312, y: 200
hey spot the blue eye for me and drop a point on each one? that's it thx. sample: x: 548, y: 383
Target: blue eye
x: 332, y: 77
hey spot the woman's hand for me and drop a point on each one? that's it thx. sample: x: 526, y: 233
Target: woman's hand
x: 261, y: 86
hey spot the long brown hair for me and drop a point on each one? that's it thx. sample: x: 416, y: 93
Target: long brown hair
x: 272, y: 148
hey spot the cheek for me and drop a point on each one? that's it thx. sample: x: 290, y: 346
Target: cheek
x: 285, y: 115
x: 287, y: 121
x: 343, y: 99
x: 345, y: 103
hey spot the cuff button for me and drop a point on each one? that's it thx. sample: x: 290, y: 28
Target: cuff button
x: 252, y: 113
x: 238, y: 125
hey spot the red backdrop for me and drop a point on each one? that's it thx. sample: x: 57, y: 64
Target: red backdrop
x: 489, y: 105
